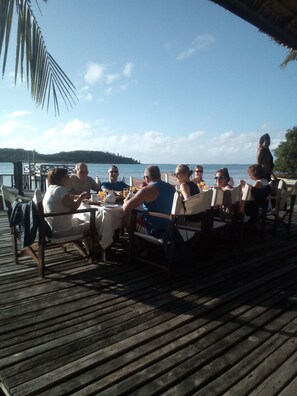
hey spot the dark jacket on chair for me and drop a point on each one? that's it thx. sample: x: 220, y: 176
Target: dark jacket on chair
x: 25, y: 215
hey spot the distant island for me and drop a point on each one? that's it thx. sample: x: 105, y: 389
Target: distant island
x: 64, y: 157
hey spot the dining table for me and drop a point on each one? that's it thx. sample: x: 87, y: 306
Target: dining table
x: 108, y: 218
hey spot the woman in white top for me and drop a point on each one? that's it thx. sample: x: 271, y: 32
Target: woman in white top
x: 260, y: 191
x: 256, y: 173
x: 58, y: 199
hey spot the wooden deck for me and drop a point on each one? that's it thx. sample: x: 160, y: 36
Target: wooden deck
x: 227, y: 328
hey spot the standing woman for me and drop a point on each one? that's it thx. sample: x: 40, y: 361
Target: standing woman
x: 264, y: 156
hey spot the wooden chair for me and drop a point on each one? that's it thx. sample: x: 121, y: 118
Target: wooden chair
x: 258, y: 200
x: 179, y: 230
x: 225, y: 204
x: 7, y: 197
x: 45, y: 241
x: 283, y: 206
x: 164, y: 175
x: 134, y: 182
x: 171, y: 180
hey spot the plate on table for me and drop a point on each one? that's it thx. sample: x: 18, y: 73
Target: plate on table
x: 111, y: 205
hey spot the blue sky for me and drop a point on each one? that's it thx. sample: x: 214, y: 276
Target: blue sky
x: 162, y: 81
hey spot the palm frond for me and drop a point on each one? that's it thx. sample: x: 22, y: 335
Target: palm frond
x: 292, y: 55
x: 46, y: 80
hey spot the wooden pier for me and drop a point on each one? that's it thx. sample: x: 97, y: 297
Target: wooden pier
x: 226, y: 327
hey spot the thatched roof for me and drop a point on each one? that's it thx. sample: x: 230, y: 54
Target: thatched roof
x: 277, y: 18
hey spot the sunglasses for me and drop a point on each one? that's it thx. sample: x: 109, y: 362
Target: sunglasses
x: 219, y: 178
x: 113, y: 172
x: 198, y: 171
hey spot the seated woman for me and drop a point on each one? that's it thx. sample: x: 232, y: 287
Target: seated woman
x: 187, y: 187
x: 225, y: 183
x: 260, y: 191
x: 58, y: 199
x: 198, y: 178
x: 223, y: 179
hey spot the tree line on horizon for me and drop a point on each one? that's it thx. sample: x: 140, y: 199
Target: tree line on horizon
x: 66, y: 157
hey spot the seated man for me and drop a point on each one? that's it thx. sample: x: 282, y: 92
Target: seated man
x: 113, y: 183
x: 157, y: 196
x: 80, y: 181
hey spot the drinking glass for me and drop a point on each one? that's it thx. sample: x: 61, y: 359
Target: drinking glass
x: 101, y: 195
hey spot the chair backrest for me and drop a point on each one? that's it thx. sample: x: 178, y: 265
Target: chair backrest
x: 217, y: 197
x: 177, y: 204
x: 164, y: 175
x: 134, y: 182
x: 282, y: 195
x: 195, y: 204
x: 247, y: 193
x: 236, y: 194
x: 171, y: 179
x: 8, y: 198
x: 37, y: 197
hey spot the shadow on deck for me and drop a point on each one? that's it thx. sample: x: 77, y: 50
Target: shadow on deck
x: 227, y: 326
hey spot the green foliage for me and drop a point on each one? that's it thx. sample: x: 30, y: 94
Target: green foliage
x: 292, y: 55
x: 286, y: 160
x: 69, y: 157
x: 45, y: 79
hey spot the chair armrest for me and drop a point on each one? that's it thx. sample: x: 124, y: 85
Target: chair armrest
x: 160, y: 215
x: 154, y: 214
x: 52, y: 214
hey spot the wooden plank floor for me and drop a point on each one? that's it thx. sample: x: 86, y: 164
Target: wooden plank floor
x: 227, y: 327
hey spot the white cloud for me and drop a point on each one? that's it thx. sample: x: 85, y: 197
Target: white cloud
x: 102, y: 73
x: 127, y: 70
x: 18, y: 114
x: 150, y: 146
x: 203, y: 41
x: 195, y: 135
x: 124, y: 87
x: 110, y: 78
x: 12, y: 122
x: 200, y: 42
x: 94, y: 73
x: 8, y: 127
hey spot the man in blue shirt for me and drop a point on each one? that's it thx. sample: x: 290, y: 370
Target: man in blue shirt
x: 157, y: 196
x: 113, y: 183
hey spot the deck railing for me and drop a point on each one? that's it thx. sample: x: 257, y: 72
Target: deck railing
x: 29, y: 177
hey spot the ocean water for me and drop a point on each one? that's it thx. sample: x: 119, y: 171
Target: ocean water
x: 237, y: 171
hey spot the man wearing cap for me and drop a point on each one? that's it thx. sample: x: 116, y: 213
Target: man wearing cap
x: 113, y: 183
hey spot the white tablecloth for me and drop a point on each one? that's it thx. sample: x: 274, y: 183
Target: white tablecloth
x: 107, y: 219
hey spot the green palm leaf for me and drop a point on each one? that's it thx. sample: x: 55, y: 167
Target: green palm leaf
x: 292, y: 55
x: 46, y: 81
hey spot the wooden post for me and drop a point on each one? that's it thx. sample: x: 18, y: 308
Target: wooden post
x: 18, y: 176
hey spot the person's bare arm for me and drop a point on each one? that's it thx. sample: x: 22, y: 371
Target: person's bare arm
x: 185, y: 190
x: 257, y: 184
x: 145, y: 194
x: 74, y: 204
